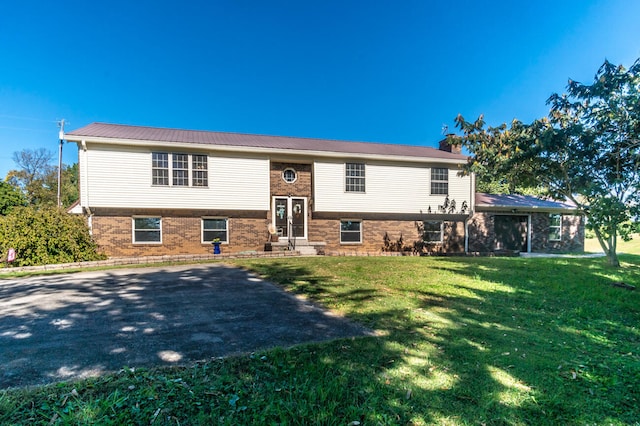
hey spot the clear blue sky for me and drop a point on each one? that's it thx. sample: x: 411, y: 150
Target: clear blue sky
x: 385, y: 71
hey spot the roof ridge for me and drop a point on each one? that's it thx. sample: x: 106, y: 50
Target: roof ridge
x: 257, y: 134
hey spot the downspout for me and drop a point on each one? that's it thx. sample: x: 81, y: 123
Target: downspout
x: 472, y: 205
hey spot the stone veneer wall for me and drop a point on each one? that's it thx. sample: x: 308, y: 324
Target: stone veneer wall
x: 482, y: 236
x: 181, y: 234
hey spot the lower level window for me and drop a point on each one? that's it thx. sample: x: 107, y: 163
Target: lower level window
x: 350, y: 231
x: 214, y: 229
x: 555, y: 227
x: 432, y: 231
x: 147, y: 230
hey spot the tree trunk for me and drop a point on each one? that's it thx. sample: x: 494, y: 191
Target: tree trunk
x: 612, y: 257
x: 609, y: 248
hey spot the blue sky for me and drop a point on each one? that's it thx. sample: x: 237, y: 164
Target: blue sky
x: 382, y: 71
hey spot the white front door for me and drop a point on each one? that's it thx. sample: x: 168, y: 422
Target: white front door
x: 290, y: 216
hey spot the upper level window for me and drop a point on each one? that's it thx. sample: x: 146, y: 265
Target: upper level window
x: 432, y: 231
x: 354, y: 177
x: 160, y: 168
x: 180, y: 170
x: 199, y: 167
x: 179, y: 167
x: 439, y: 181
x: 555, y: 227
x: 289, y: 175
x: 147, y: 230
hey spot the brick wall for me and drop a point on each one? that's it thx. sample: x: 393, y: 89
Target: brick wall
x: 572, y: 234
x: 482, y: 233
x: 180, y: 235
x: 373, y: 234
x: 300, y: 188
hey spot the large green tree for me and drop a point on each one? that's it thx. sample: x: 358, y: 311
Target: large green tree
x: 587, y: 150
x: 10, y: 197
x: 37, y: 178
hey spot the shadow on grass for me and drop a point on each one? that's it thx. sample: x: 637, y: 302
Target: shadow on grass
x: 499, y: 341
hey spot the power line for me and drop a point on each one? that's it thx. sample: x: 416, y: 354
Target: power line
x: 23, y: 117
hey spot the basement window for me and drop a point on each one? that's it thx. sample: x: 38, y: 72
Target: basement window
x: 147, y: 230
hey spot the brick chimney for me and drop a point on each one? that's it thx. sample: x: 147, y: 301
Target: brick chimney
x: 445, y: 146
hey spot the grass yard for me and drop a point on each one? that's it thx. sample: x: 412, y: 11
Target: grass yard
x: 510, y: 341
x: 591, y: 245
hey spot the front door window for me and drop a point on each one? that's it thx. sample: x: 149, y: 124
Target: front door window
x: 289, y: 216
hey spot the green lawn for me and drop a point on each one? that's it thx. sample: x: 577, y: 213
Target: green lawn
x: 460, y: 341
x: 591, y: 245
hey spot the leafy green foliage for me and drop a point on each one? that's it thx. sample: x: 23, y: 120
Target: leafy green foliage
x: 588, y: 151
x: 10, y: 197
x: 37, y: 178
x: 46, y: 236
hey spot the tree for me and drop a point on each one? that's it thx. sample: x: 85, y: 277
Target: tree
x: 587, y: 151
x: 10, y: 197
x: 37, y: 178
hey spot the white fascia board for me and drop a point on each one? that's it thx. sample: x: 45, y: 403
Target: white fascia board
x: 524, y: 209
x: 260, y: 150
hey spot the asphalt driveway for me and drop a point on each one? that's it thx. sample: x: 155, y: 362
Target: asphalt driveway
x: 69, y: 326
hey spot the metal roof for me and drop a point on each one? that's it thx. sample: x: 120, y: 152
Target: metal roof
x: 519, y: 202
x: 295, y: 144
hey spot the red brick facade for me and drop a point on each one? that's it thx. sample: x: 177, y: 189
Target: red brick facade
x: 483, y: 239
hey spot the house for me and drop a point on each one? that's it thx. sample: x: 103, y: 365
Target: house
x: 156, y: 191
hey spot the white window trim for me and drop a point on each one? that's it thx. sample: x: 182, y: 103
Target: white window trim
x: 361, y: 231
x: 189, y: 170
x: 133, y: 230
x: 364, y: 178
x: 555, y: 226
x: 432, y: 181
x: 202, y: 219
x: 294, y: 173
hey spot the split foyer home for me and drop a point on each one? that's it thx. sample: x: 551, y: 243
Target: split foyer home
x: 155, y: 191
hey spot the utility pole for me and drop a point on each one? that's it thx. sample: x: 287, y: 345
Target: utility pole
x: 61, y: 137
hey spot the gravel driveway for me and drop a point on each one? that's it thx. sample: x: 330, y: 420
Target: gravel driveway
x: 69, y: 326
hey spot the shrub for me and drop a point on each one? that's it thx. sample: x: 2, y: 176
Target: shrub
x: 46, y: 236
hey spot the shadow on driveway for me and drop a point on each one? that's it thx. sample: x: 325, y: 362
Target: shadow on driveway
x: 80, y: 325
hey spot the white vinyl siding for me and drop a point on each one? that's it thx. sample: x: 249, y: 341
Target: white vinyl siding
x: 122, y: 177
x: 391, y: 188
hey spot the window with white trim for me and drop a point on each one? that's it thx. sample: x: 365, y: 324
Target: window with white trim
x: 354, y: 177
x: 432, y: 231
x: 147, y: 230
x: 180, y: 169
x: 184, y: 169
x: 555, y: 227
x: 350, y: 231
x: 214, y: 227
x: 289, y: 175
x: 199, y: 170
x: 160, y: 168
x: 439, y: 181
